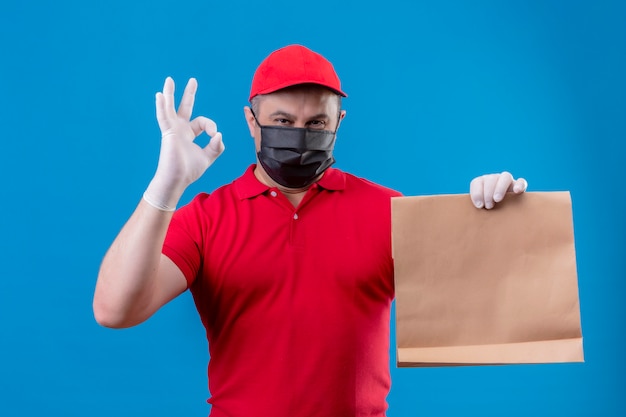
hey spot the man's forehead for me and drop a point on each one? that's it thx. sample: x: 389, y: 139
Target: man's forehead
x: 301, y: 94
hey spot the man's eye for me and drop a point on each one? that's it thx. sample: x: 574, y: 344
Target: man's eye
x: 317, y: 124
x: 282, y: 121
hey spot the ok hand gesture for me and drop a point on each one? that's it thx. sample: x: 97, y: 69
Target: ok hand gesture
x: 181, y: 160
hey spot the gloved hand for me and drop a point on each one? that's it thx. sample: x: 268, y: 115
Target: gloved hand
x: 487, y: 190
x: 181, y: 160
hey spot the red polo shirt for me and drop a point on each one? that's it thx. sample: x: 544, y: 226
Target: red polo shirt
x: 295, y: 301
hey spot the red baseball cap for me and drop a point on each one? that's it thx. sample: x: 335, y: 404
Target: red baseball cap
x: 293, y: 65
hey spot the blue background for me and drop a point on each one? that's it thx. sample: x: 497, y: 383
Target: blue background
x: 439, y: 92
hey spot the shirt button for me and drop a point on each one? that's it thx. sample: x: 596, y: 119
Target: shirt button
x: 295, y: 216
x: 273, y: 193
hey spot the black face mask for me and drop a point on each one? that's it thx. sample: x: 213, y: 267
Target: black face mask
x: 294, y: 156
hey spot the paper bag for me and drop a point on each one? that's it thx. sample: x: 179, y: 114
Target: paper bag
x: 476, y: 286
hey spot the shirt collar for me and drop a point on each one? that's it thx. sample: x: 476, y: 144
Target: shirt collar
x: 248, y: 186
x: 333, y: 180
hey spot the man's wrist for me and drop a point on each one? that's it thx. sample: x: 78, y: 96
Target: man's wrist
x: 156, y: 203
x: 161, y: 196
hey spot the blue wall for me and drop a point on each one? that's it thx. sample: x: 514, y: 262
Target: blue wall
x: 439, y: 92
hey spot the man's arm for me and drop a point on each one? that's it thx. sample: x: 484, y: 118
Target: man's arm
x: 135, y: 279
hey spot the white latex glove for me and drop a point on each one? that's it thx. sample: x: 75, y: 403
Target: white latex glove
x: 181, y: 160
x: 487, y: 190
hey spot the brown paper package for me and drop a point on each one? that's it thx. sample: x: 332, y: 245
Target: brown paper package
x: 476, y: 286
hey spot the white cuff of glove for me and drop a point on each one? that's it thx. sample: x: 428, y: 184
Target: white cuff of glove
x: 157, y: 204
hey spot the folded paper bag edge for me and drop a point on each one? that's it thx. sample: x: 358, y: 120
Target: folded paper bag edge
x: 547, y: 351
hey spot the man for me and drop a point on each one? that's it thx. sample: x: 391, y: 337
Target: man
x: 290, y: 265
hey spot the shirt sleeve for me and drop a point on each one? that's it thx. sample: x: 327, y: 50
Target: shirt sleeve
x: 183, y: 241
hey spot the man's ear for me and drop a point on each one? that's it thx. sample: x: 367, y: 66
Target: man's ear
x: 247, y: 111
x: 342, y: 114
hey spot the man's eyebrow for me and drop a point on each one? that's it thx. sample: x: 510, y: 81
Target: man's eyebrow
x: 282, y: 113
x: 319, y: 116
x: 293, y: 117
